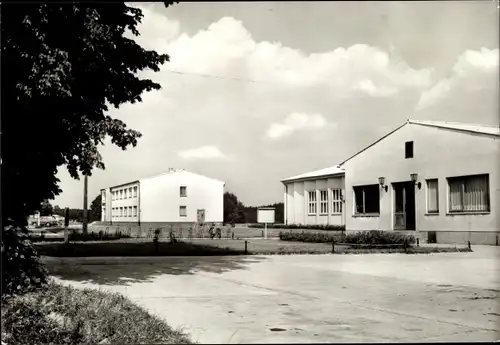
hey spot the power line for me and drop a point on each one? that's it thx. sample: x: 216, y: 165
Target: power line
x: 223, y: 78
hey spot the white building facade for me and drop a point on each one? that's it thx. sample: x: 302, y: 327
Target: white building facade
x: 177, y: 196
x: 439, y: 181
x: 315, y: 197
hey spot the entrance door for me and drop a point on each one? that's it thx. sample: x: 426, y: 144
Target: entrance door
x: 200, y: 216
x: 404, y: 206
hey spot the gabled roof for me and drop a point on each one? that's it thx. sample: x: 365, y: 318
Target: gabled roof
x: 335, y: 170
x: 458, y: 126
x: 170, y: 171
x: 466, y: 127
x: 174, y: 171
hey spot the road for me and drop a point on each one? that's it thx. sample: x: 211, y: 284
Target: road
x: 300, y: 298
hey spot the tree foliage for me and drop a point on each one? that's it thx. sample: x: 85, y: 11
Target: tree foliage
x: 95, y: 209
x: 234, y: 210
x: 68, y: 62
x: 46, y: 208
x: 63, y: 64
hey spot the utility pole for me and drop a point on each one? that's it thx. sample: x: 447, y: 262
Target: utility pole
x: 85, y: 213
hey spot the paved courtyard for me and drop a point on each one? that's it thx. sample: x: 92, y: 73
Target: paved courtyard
x: 300, y: 299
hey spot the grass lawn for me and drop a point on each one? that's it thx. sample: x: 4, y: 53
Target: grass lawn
x: 130, y: 248
x: 199, y: 247
x: 65, y: 315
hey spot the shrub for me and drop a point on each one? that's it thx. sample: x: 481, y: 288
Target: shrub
x: 65, y: 315
x: 327, y: 227
x: 379, y: 237
x: 308, y: 237
x: 22, y: 269
x: 96, y: 236
x: 373, y: 237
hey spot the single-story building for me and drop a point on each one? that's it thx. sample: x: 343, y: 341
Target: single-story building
x: 172, y: 198
x: 315, y: 197
x: 439, y: 180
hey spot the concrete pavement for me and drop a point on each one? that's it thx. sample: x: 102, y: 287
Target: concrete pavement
x: 300, y: 298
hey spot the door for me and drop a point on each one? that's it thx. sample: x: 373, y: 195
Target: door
x: 404, y: 206
x: 200, y: 216
x: 399, y: 207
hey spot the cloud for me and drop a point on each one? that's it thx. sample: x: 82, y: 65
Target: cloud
x: 295, y: 122
x: 225, y: 87
x: 203, y: 152
x: 473, y: 71
x: 375, y: 91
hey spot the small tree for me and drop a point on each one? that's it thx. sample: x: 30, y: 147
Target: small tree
x: 96, y: 209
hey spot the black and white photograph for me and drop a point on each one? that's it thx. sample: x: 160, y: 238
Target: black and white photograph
x: 238, y: 172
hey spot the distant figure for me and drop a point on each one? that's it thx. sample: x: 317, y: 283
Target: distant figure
x: 211, y: 232
x: 219, y: 233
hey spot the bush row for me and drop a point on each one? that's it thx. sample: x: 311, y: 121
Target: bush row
x: 97, y: 236
x: 373, y: 237
x: 309, y: 237
x: 300, y: 226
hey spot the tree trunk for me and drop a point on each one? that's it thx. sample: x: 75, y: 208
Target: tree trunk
x: 85, y: 213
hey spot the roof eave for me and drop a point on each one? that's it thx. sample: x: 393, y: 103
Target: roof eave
x: 298, y: 179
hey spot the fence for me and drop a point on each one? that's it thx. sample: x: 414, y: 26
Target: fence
x: 170, y: 231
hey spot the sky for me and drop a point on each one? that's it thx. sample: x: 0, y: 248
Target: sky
x: 259, y: 91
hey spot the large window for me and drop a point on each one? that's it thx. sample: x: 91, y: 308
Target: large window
x: 323, y: 202
x: 130, y: 193
x: 469, y: 193
x: 312, y: 202
x: 367, y: 199
x: 183, y: 211
x: 336, y: 201
x: 135, y: 211
x: 432, y: 196
x: 121, y: 211
x: 135, y: 192
x: 121, y: 194
x: 183, y: 191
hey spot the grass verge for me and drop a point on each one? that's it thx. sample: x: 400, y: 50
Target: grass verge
x: 90, y: 249
x: 64, y: 315
x: 221, y: 248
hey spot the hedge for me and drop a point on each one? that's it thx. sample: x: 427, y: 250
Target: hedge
x: 372, y: 237
x: 300, y: 226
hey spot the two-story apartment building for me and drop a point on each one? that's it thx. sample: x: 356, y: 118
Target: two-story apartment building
x: 175, y: 197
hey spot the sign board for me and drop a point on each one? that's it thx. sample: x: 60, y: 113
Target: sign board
x: 265, y: 215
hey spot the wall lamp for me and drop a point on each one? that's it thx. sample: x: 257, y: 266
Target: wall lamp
x: 414, y: 178
x: 381, y: 180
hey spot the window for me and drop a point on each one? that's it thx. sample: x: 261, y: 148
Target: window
x: 183, y: 191
x: 135, y: 211
x: 432, y: 196
x: 409, y: 149
x: 113, y: 195
x: 130, y: 211
x: 183, y: 211
x: 121, y: 211
x: 312, y: 202
x: 367, y: 199
x: 336, y: 201
x: 135, y: 192
x: 469, y: 193
x: 130, y: 193
x: 121, y: 193
x: 323, y: 202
